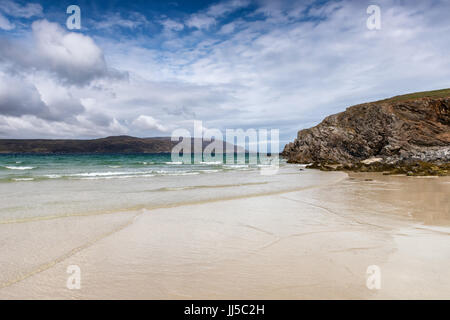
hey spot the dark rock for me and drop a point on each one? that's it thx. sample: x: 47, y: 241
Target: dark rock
x: 393, y: 130
x: 402, y: 135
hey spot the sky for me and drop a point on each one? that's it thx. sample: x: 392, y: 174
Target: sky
x: 147, y: 68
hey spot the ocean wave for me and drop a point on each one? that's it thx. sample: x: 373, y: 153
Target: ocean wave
x: 118, y: 177
x: 52, y: 176
x: 23, y: 179
x: 183, y: 174
x: 211, y: 162
x: 105, y: 174
x: 19, y: 168
x: 175, y: 173
x: 235, y: 166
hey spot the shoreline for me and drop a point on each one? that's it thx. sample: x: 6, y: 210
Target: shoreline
x: 405, y: 168
x: 349, y: 175
x: 314, y: 243
x: 176, y: 204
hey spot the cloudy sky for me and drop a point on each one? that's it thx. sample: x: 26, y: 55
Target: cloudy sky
x: 146, y: 68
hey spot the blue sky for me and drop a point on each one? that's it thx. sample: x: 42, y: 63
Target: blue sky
x: 146, y: 68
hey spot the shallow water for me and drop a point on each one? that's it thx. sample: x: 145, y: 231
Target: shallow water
x: 48, y: 186
x: 36, y: 167
x: 227, y: 234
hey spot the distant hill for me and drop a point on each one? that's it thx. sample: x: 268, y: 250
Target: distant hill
x: 117, y: 144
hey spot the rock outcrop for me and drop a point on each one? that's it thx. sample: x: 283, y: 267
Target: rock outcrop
x: 413, y: 127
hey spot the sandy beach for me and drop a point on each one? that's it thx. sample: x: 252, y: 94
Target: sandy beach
x: 313, y: 240
x: 235, y: 151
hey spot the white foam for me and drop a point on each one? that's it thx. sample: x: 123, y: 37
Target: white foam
x: 211, y: 162
x: 185, y: 174
x: 236, y: 166
x: 19, y: 168
x: 104, y: 174
x: 118, y: 177
x: 179, y: 173
x: 53, y: 176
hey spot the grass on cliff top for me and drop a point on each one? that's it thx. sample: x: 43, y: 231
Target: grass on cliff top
x: 417, y: 95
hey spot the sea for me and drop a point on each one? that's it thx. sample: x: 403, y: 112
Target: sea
x: 32, y: 167
x: 51, y: 186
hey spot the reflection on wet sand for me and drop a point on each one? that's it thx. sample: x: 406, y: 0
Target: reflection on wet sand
x: 315, y: 242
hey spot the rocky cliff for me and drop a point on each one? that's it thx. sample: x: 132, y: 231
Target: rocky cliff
x: 413, y: 127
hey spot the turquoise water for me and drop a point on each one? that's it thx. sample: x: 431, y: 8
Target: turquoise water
x: 42, y: 186
x: 15, y: 168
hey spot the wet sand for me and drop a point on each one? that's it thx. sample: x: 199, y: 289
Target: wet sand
x: 312, y: 243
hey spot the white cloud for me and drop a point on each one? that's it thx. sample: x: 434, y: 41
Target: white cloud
x: 14, y: 9
x: 227, y: 28
x: 43, y: 99
x: 29, y: 127
x: 73, y: 56
x: 200, y: 21
x: 209, y: 17
x: 149, y: 123
x: 297, y: 72
x: 285, y: 66
x: 5, y: 24
x: 222, y: 8
x: 134, y: 21
x: 19, y: 97
x: 170, y: 25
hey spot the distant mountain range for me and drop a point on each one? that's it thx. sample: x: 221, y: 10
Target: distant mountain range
x: 116, y: 144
